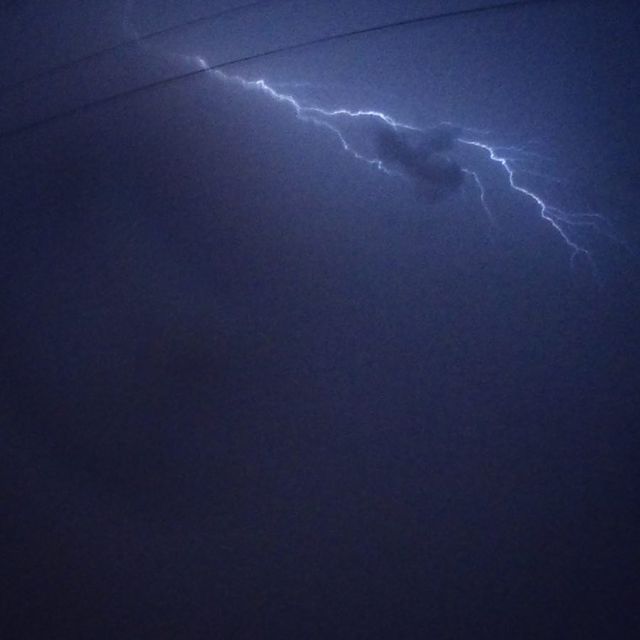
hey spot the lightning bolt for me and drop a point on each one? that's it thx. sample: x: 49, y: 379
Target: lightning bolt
x: 557, y: 218
x: 482, y: 194
x: 567, y: 225
x: 564, y: 223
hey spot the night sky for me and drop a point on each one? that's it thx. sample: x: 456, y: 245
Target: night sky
x: 252, y: 386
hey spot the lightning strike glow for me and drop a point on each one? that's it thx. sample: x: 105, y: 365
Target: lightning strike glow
x: 562, y: 222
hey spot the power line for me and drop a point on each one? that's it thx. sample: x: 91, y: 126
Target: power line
x: 127, y: 43
x: 294, y: 47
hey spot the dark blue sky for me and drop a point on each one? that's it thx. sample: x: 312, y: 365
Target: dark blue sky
x: 253, y: 387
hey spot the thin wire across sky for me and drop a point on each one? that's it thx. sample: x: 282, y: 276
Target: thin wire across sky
x: 250, y: 57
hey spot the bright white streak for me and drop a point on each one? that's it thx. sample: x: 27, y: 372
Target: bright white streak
x: 550, y: 214
x: 553, y: 216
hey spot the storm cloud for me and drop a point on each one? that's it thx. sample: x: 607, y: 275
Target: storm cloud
x: 425, y: 159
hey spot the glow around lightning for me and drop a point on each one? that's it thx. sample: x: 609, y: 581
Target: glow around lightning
x: 567, y: 225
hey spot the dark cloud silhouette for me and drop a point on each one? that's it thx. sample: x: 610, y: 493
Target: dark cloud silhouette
x: 425, y: 160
